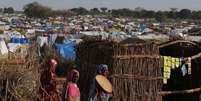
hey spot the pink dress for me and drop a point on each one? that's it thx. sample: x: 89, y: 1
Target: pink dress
x: 73, y: 90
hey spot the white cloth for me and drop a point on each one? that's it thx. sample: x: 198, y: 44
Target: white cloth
x: 42, y: 40
x: 12, y: 47
x: 184, y: 70
x: 3, y: 47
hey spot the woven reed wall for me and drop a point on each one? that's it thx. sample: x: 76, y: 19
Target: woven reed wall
x: 134, y: 67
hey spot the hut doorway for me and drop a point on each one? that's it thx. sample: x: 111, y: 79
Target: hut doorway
x: 182, y: 87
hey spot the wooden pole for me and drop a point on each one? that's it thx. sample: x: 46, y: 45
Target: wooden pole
x: 6, y: 90
x: 180, y: 91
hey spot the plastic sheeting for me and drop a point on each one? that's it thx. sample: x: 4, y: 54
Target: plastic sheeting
x: 66, y: 50
x: 42, y: 40
x: 118, y: 36
x: 52, y: 37
x: 3, y: 47
x: 12, y: 47
x: 19, y: 39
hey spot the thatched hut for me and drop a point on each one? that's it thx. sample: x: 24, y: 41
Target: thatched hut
x: 186, y: 88
x: 134, y: 66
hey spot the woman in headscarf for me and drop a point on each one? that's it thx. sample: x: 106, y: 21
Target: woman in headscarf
x: 48, y: 82
x: 103, y: 70
x: 96, y: 93
x: 72, y: 91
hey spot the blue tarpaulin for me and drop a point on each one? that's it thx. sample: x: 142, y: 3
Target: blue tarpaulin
x: 19, y: 40
x: 66, y: 50
x: 142, y: 27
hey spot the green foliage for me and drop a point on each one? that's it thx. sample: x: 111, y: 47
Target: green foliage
x: 64, y: 13
x: 95, y: 11
x: 1, y: 31
x: 8, y: 10
x: 103, y: 9
x: 80, y: 11
x: 160, y: 17
x: 185, y: 14
x: 196, y: 15
x: 37, y: 11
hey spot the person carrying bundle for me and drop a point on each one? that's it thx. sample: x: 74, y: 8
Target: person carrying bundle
x: 48, y: 82
x: 101, y: 88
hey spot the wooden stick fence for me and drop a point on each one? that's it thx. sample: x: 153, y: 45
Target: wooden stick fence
x: 135, y: 69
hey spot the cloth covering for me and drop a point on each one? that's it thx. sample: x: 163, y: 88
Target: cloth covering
x: 66, y: 50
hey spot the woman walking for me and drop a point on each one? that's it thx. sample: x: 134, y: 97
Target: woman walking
x: 101, y: 88
x: 72, y: 91
x: 48, y: 82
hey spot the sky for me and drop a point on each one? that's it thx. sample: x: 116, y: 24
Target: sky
x: 132, y: 4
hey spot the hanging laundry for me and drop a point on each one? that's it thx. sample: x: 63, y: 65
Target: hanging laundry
x: 164, y: 81
x: 169, y: 61
x: 189, y: 65
x: 184, y: 70
x: 166, y: 75
x: 177, y: 62
x: 173, y: 61
x: 166, y: 69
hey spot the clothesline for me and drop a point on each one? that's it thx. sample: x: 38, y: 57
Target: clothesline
x: 178, y: 41
x: 180, y: 91
x: 196, y: 56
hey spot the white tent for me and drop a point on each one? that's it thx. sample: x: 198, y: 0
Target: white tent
x: 3, y: 47
x: 31, y: 31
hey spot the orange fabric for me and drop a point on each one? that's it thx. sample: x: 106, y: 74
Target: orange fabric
x: 70, y: 98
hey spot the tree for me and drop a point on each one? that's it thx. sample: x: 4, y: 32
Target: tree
x: 196, y: 15
x: 94, y: 11
x: 160, y: 16
x: 80, y: 11
x: 185, y: 14
x: 147, y: 14
x: 36, y: 10
x: 64, y: 13
x: 8, y: 10
x: 174, y: 9
x: 173, y: 13
x: 103, y: 9
x: 139, y: 9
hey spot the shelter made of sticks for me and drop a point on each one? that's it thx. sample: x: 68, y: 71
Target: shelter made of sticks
x: 134, y: 66
x: 19, y: 77
x: 183, y: 88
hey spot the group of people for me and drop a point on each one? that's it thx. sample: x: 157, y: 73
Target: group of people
x: 97, y: 92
